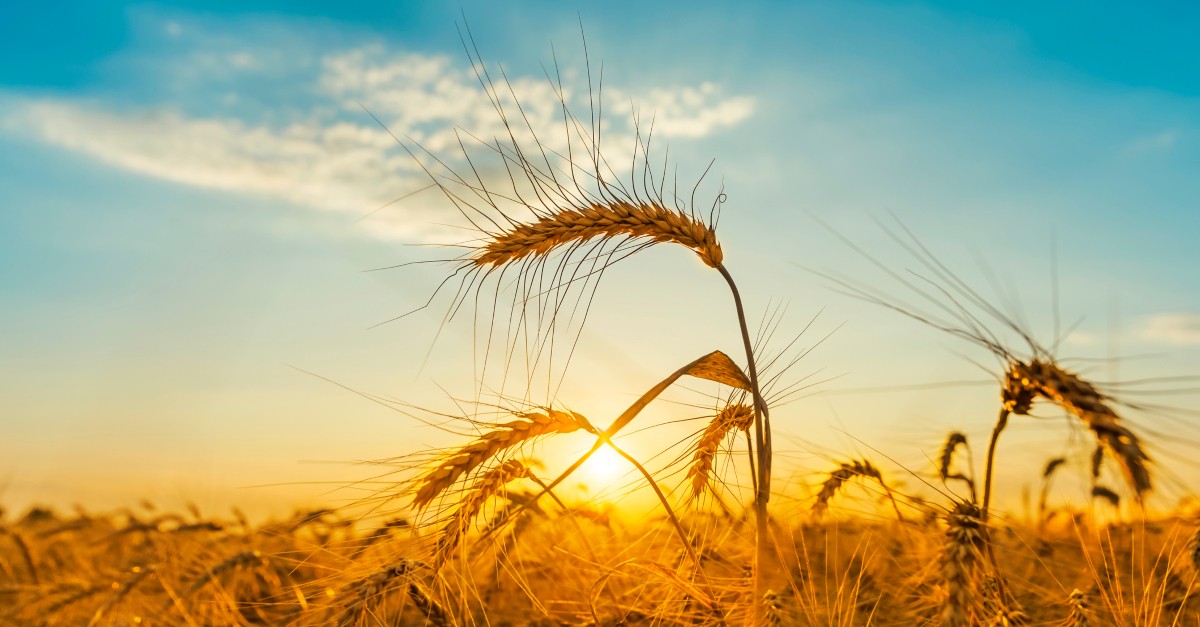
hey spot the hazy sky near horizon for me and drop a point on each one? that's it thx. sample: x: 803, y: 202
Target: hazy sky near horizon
x: 188, y: 195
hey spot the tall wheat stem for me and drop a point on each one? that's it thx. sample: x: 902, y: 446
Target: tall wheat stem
x: 762, y: 444
x: 1001, y: 422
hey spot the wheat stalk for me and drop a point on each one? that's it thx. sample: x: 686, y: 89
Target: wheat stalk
x: 733, y: 417
x: 505, y: 436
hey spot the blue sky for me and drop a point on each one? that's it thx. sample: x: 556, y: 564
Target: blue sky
x: 184, y: 190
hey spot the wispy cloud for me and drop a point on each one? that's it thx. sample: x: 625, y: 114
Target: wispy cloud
x: 1180, y: 329
x: 325, y: 153
x: 1161, y: 141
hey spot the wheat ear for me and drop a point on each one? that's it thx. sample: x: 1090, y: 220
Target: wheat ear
x: 1045, y: 379
x: 503, y: 437
x: 373, y: 586
x: 488, y: 485
x: 136, y: 576
x: 960, y: 560
x: 738, y: 417
x: 946, y: 460
x: 845, y: 472
x: 247, y: 559
x: 616, y: 218
x: 772, y: 608
x: 1078, y: 614
x: 1101, y: 492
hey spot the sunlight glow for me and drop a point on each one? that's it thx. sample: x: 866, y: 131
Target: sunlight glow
x: 604, y: 467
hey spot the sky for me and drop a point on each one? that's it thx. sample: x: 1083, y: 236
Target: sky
x: 192, y: 196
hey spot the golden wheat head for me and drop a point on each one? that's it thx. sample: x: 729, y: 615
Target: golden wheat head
x: 617, y: 218
x: 733, y: 417
x: 965, y: 538
x: 488, y: 485
x: 505, y: 436
x: 1026, y: 382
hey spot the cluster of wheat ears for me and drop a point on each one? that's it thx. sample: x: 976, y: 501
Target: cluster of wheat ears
x: 486, y: 540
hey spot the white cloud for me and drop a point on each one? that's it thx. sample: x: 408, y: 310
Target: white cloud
x: 686, y: 112
x: 338, y: 167
x: 1180, y: 329
x: 325, y: 153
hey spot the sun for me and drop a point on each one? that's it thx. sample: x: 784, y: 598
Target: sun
x: 604, y: 466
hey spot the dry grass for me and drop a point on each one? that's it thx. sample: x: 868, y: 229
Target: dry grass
x: 844, y: 571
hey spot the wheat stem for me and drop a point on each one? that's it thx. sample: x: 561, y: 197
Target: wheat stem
x: 762, y: 442
x: 1001, y: 422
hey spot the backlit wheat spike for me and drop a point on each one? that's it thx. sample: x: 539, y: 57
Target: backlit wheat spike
x: 1047, y: 473
x: 845, y: 472
x: 946, y: 460
x: 616, y: 218
x: 738, y: 417
x: 136, y: 576
x: 1101, y: 492
x: 1002, y: 608
x: 1052, y: 466
x: 1025, y: 382
x: 75, y: 597
x: 1078, y: 616
x: 947, y: 457
x: 488, y: 485
x: 368, y: 590
x: 435, y: 616
x: 960, y: 560
x: 245, y: 559
x: 503, y: 437
x: 773, y: 615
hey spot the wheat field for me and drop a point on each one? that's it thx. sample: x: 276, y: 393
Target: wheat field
x: 487, y: 532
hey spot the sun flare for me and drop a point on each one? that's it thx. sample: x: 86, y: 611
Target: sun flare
x: 604, y: 467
